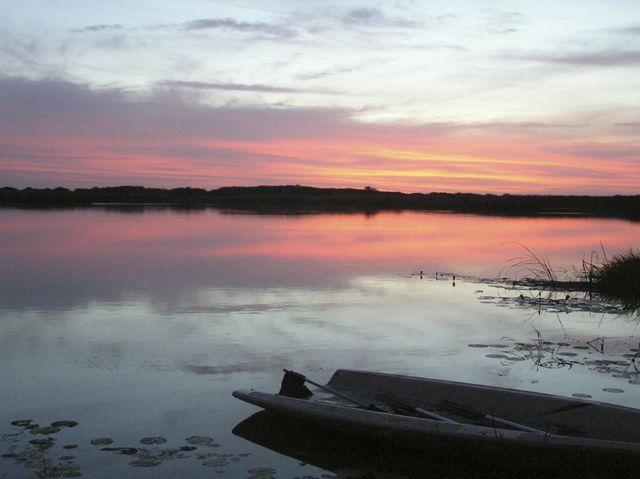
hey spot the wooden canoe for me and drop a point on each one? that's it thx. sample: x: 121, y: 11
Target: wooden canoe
x: 564, y: 424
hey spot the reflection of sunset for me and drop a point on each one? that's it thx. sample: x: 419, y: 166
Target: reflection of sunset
x: 397, y: 242
x: 423, y: 240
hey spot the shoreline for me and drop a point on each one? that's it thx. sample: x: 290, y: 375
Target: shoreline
x: 303, y: 199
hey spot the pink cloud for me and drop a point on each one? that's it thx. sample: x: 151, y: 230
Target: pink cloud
x: 57, y: 133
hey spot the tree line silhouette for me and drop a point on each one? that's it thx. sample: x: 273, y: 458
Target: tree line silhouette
x: 305, y: 199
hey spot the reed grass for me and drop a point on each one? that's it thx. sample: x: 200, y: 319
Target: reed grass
x: 531, y: 263
x: 617, y: 278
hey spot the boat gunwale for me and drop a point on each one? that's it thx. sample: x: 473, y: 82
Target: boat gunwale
x: 484, y: 387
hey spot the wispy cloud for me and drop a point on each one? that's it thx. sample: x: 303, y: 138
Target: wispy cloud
x: 270, y: 29
x: 373, y: 17
x: 505, y: 22
x: 231, y: 87
x: 243, y: 87
x: 588, y: 58
x: 601, y: 152
x: 20, y: 50
x: 97, y: 28
x: 608, y: 58
x: 86, y: 137
x: 26, y: 57
x: 635, y: 30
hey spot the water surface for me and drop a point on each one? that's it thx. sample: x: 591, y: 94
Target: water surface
x: 139, y: 324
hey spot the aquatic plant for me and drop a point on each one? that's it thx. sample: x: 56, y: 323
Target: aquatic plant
x: 619, y: 279
x: 616, y: 278
x: 620, y: 276
x: 531, y: 264
x: 589, y: 268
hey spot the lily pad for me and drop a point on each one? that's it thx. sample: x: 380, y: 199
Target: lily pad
x: 202, y: 441
x: 127, y: 451
x: 152, y: 440
x: 64, y: 423
x: 613, y: 390
x: 48, y: 442
x: 22, y: 422
x: 101, y: 441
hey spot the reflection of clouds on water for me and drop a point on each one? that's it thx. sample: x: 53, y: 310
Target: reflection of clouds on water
x: 103, y: 363
x: 237, y: 308
x: 213, y: 370
x: 248, y: 362
x: 62, y: 260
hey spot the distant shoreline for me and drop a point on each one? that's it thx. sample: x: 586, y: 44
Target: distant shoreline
x: 304, y: 199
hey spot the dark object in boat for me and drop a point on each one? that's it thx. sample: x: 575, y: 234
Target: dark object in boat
x: 293, y: 386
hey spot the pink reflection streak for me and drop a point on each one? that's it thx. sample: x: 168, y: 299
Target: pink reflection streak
x: 399, y: 242
x: 406, y: 241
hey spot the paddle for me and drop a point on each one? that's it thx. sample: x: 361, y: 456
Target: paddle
x: 464, y: 410
x: 396, y: 403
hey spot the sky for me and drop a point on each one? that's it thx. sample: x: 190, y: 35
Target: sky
x: 416, y: 96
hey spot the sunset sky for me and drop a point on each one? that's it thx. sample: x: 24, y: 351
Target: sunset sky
x: 416, y: 96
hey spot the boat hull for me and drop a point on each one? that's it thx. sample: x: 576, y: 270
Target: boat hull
x: 365, y: 456
x: 420, y: 433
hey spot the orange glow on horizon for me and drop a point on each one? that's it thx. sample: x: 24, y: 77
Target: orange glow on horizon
x: 399, y: 162
x: 392, y: 167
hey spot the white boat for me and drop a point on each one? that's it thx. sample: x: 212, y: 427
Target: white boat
x: 422, y: 413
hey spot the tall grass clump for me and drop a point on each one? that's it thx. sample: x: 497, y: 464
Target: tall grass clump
x: 616, y: 278
x: 619, y: 276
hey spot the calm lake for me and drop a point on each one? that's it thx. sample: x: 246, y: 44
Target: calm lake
x: 138, y: 324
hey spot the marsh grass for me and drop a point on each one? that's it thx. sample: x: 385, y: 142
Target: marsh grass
x: 589, y: 268
x: 616, y: 278
x: 531, y: 264
x: 619, y: 276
